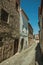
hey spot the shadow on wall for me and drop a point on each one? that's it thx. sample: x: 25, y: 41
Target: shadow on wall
x: 38, y: 55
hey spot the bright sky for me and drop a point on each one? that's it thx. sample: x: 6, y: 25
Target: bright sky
x: 31, y: 9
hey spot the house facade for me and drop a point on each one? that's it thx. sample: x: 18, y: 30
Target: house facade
x: 23, y: 30
x: 30, y: 34
x: 9, y: 28
x: 41, y: 25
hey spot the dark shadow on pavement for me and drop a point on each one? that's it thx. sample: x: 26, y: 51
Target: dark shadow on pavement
x: 38, y: 55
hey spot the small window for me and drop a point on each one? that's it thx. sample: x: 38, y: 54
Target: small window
x: 4, y: 15
x: 1, y: 43
x: 0, y: 38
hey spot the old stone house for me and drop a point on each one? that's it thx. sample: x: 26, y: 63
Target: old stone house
x: 9, y: 28
x: 41, y: 25
x: 30, y: 34
x: 23, y: 43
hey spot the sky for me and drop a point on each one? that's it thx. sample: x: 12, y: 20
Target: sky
x: 30, y: 7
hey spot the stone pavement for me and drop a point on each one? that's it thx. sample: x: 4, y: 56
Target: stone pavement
x: 26, y: 57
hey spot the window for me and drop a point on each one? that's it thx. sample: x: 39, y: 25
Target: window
x: 0, y: 38
x: 1, y: 43
x: 4, y: 15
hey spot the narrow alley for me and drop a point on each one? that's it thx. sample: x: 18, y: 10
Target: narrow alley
x: 21, y: 32
x: 26, y: 57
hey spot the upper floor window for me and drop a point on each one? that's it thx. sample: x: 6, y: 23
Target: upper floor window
x: 4, y: 15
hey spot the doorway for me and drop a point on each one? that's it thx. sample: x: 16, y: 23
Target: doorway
x: 16, y: 43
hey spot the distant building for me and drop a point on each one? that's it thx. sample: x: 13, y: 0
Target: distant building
x: 41, y: 25
x: 23, y: 30
x: 30, y: 34
x: 36, y: 37
x: 9, y: 28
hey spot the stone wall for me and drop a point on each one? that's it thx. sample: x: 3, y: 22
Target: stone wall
x: 7, y: 48
x: 9, y: 28
x: 13, y: 15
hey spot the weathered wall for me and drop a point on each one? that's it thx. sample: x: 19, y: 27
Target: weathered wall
x: 13, y: 15
x: 7, y: 48
x: 9, y: 30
